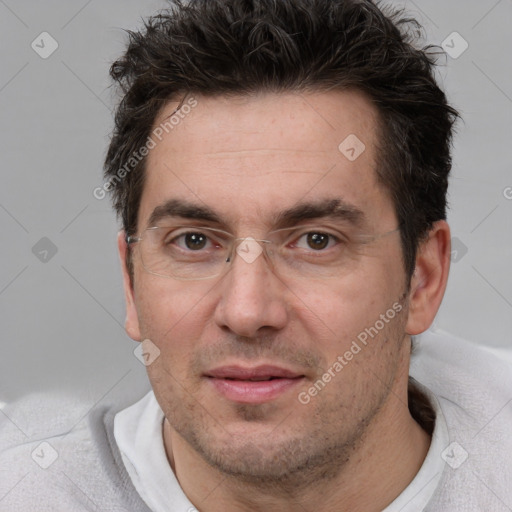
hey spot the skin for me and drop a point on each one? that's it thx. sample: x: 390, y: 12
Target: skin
x: 246, y: 158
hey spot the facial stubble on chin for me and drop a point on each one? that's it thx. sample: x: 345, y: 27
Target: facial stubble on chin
x: 316, y: 455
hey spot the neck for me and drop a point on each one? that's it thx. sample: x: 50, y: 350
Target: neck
x: 384, y: 462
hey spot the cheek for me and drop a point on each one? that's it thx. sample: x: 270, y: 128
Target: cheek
x: 336, y: 312
x: 337, y: 301
x: 172, y: 318
x: 171, y: 315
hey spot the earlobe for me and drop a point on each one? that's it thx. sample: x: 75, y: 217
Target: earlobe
x: 132, y: 320
x: 428, y: 282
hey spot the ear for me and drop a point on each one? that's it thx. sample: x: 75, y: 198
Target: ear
x: 429, y: 280
x: 131, y: 323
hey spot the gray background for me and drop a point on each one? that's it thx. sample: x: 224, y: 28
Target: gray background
x: 62, y: 314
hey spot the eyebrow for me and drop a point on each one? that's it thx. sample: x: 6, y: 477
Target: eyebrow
x: 330, y: 208
x: 183, y: 209
x: 327, y: 208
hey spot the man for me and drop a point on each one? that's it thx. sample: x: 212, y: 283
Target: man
x: 280, y: 169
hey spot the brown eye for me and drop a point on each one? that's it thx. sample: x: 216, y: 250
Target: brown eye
x: 195, y: 241
x: 317, y: 241
x: 192, y: 241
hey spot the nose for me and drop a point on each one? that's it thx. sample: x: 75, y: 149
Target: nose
x: 252, y: 298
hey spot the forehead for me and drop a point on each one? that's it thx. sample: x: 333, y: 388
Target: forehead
x: 246, y: 156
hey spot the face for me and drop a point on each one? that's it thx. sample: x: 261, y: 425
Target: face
x: 247, y: 164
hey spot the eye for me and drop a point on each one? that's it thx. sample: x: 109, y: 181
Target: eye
x: 195, y: 241
x: 191, y: 241
x: 316, y: 240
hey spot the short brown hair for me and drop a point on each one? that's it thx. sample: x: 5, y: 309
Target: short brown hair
x: 222, y: 47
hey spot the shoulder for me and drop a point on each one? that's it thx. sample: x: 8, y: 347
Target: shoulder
x: 461, y: 370
x: 58, y: 453
x: 474, y: 389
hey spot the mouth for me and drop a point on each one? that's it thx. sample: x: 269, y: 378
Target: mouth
x: 253, y: 385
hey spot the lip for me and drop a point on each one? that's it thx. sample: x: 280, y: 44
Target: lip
x: 247, y: 385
